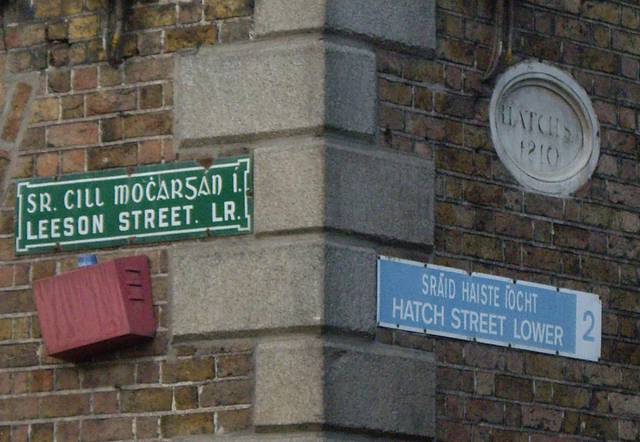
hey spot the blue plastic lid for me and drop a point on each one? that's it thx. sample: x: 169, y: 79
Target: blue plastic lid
x: 87, y: 260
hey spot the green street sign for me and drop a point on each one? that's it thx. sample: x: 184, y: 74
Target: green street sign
x: 149, y: 204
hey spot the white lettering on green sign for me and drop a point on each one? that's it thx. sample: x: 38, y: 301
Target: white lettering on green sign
x: 152, y: 204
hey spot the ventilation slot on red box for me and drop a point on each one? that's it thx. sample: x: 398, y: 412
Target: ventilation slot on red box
x: 134, y: 284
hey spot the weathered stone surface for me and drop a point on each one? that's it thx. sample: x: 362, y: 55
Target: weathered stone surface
x: 290, y: 187
x: 283, y: 16
x: 382, y: 194
x: 245, y: 286
x: 252, y: 90
x: 348, y: 384
x: 367, y: 191
x: 350, y: 89
x: 408, y: 22
x: 544, y: 128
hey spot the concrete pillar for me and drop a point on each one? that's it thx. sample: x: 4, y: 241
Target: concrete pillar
x: 302, y: 100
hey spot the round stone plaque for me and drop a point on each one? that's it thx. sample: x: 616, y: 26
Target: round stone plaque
x: 544, y: 128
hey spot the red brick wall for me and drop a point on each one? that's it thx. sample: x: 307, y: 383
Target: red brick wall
x: 486, y: 222
x: 88, y: 115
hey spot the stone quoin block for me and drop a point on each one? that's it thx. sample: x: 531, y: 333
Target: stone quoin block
x: 407, y: 22
x: 251, y: 90
x: 242, y: 286
x: 371, y: 192
x: 347, y: 384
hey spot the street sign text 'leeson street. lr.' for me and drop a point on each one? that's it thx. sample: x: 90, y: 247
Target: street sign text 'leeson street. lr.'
x: 152, y: 204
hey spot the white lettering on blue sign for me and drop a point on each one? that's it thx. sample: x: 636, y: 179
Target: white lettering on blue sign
x: 449, y: 302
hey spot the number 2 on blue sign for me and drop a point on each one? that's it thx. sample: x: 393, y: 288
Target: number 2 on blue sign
x: 588, y: 315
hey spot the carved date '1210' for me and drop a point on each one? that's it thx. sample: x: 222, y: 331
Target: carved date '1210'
x: 548, y: 155
x: 545, y: 154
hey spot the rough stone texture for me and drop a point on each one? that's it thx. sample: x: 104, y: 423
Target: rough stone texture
x: 242, y: 286
x: 290, y: 187
x: 283, y: 16
x: 350, y: 88
x: 345, y: 384
x: 249, y: 90
x: 408, y: 22
x: 372, y: 192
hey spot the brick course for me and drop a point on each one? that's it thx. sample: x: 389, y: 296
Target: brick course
x: 89, y: 115
x: 486, y: 222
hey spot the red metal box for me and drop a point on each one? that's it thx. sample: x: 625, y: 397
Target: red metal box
x: 95, y: 309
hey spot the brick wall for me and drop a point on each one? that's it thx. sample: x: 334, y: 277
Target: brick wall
x: 88, y: 115
x: 487, y: 223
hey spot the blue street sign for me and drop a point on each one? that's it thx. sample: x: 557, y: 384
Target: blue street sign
x: 449, y: 302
